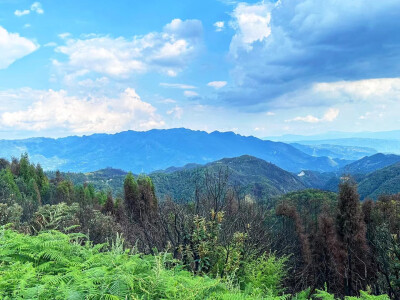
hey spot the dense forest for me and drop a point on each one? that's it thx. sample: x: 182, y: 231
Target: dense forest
x: 60, y: 240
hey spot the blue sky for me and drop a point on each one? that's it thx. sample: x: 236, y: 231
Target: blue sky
x: 256, y: 68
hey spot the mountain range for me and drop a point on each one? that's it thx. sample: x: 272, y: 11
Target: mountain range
x: 159, y: 149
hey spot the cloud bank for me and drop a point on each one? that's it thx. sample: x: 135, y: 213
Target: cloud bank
x: 56, y: 109
x: 167, y: 52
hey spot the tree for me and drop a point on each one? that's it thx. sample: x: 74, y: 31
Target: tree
x: 131, y: 197
x: 108, y: 207
x: 352, y: 234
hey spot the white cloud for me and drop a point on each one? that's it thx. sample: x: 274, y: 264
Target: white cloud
x: 361, y: 89
x: 219, y: 26
x: 367, y: 91
x: 166, y: 52
x: 217, y: 84
x: 37, y: 7
x: 178, y: 86
x: 190, y: 94
x: 50, y: 109
x: 64, y: 35
x: 270, y: 113
x: 14, y: 47
x: 329, y: 116
x: 177, y: 112
x: 20, y: 13
x: 252, y: 23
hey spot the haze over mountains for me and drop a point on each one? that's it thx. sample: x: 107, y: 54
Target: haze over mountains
x: 159, y: 149
x: 385, y: 141
x: 334, y: 135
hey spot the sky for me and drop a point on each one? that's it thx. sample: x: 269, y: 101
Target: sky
x: 256, y: 68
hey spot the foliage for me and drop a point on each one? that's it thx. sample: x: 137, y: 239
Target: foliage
x: 53, y: 265
x: 218, y: 243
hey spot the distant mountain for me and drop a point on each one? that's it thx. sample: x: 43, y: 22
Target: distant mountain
x: 254, y: 177
x: 158, y: 149
x: 365, y: 171
x: 380, y: 145
x: 370, y: 163
x: 383, y: 181
x: 385, y: 135
x: 335, y: 151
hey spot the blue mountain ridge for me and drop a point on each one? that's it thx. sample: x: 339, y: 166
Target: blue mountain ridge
x: 147, y: 151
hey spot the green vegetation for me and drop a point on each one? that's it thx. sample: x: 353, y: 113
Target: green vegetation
x: 59, y: 240
x: 256, y: 178
x: 53, y: 265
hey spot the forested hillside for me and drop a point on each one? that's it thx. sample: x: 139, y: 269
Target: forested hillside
x: 60, y: 239
x: 381, y: 182
x: 254, y: 177
x: 370, y: 164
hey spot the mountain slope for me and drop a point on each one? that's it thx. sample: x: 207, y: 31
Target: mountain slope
x: 254, y: 177
x: 158, y: 149
x: 370, y: 163
x: 359, y: 170
x: 383, y: 181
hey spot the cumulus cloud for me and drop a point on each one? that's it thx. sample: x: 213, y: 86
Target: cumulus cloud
x: 219, y: 26
x: 252, y: 23
x: 290, y: 45
x: 166, y: 52
x: 329, y: 116
x: 56, y: 109
x: 217, y: 84
x: 14, y: 47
